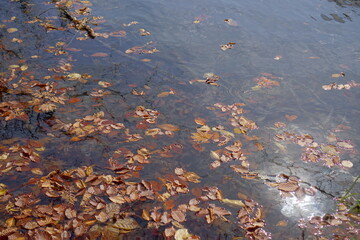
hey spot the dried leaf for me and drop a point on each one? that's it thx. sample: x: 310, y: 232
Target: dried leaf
x: 100, y: 54
x: 12, y: 30
x: 291, y: 117
x: 169, y: 127
x: 231, y: 22
x: 117, y: 199
x: 178, y: 215
x: 288, y: 186
x: 200, y: 121
x: 281, y: 223
x: 347, y: 164
x: 336, y: 75
x: 237, y: 203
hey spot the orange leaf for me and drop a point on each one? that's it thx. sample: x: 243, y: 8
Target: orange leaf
x: 291, y: 117
x: 100, y: 54
x: 200, y: 121
x: 163, y: 94
x: 169, y: 204
x: 75, y: 139
x: 74, y: 100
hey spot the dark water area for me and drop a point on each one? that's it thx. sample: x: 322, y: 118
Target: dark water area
x: 298, y: 46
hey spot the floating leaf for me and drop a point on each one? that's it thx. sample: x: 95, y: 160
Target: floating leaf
x: 117, y: 199
x: 74, y: 76
x: 74, y: 100
x: 104, y: 84
x: 231, y: 22
x: 288, y: 186
x: 178, y: 215
x: 182, y: 234
x: 12, y: 30
x: 237, y: 203
x: 200, y: 121
x: 100, y: 54
x: 291, y: 117
x: 127, y: 224
x: 345, y: 145
x: 227, y: 46
x: 169, y: 127
x: 281, y: 223
x: 336, y: 75
x: 347, y: 164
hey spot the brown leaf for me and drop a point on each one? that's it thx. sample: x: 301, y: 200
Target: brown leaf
x: 169, y: 127
x: 291, y: 117
x: 178, y: 215
x: 288, y: 186
x: 200, y: 121
x: 117, y: 199
x: 145, y: 215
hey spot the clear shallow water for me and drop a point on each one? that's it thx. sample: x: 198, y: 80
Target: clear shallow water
x: 315, y: 40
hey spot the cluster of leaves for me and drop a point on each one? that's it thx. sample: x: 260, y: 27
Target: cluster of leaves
x: 19, y: 157
x: 252, y: 221
x: 345, y: 86
x: 82, y: 203
x: 89, y: 125
x: 39, y: 96
x: 329, y: 153
x: 209, y: 78
x: 147, y: 48
x: 266, y: 80
x: 290, y: 186
x: 340, y: 225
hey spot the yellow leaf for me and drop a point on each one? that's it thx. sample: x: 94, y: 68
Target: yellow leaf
x: 10, y: 222
x: 37, y: 171
x: 347, y: 164
x: 237, y: 203
x: 24, y: 67
x: 74, y: 76
x: 11, y: 30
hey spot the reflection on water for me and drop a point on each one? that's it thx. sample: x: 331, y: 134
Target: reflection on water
x: 308, y: 206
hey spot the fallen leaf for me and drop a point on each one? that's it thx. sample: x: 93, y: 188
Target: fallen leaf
x: 200, y: 121
x: 231, y: 22
x: 347, y: 164
x: 291, y: 117
x: 227, y: 46
x: 178, y: 215
x: 336, y: 75
x: 281, y: 223
x: 345, y: 145
x: 100, y: 54
x: 169, y: 127
x: 237, y: 203
x: 104, y: 84
x: 74, y: 100
x: 288, y: 186
x: 12, y: 30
